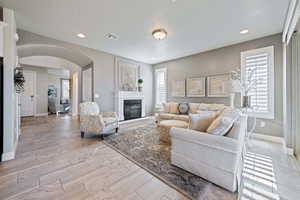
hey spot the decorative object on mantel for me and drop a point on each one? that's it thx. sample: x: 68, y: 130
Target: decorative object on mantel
x: 178, y: 88
x: 19, y: 79
x: 140, y: 83
x: 195, y: 87
x: 128, y: 76
x: 216, y: 86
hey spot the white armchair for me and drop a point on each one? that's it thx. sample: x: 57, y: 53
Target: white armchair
x: 94, y: 121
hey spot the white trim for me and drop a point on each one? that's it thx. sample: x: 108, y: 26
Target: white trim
x: 8, y: 156
x: 289, y: 25
x: 41, y: 114
x: 271, y: 76
x: 268, y: 138
x: 287, y: 150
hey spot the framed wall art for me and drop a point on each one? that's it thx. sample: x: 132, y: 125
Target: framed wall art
x: 195, y: 87
x: 178, y: 88
x: 216, y: 85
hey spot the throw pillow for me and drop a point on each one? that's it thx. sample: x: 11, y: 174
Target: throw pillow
x: 200, y: 122
x: 166, y: 107
x: 223, y: 124
x: 174, y: 108
x: 194, y: 107
x: 183, y: 108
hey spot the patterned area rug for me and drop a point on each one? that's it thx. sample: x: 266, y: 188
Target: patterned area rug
x: 141, y: 144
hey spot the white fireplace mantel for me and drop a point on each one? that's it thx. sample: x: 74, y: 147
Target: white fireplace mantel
x: 121, y: 96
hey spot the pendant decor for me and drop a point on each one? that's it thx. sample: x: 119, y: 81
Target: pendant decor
x: 19, y: 80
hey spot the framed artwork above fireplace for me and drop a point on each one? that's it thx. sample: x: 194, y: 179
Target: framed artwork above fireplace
x: 128, y: 75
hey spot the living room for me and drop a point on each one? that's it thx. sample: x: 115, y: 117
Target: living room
x: 162, y: 102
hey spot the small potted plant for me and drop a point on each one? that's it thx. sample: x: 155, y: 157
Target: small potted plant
x: 140, y: 85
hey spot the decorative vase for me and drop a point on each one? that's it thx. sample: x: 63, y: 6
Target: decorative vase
x: 246, y: 101
x: 140, y: 89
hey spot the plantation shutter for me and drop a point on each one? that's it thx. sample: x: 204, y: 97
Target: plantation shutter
x: 161, y: 87
x: 262, y: 92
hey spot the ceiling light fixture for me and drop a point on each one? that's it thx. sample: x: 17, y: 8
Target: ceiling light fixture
x: 111, y: 36
x: 244, y: 31
x: 159, y: 34
x: 81, y: 35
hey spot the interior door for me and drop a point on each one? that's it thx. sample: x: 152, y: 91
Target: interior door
x: 28, y: 96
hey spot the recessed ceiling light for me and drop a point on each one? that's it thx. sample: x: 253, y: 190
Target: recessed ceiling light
x: 159, y: 34
x: 244, y: 31
x: 111, y: 36
x: 81, y: 35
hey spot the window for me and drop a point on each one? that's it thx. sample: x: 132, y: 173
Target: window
x: 161, y: 86
x: 261, y: 63
x: 65, y: 91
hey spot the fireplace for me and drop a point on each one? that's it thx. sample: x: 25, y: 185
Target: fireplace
x: 132, y: 109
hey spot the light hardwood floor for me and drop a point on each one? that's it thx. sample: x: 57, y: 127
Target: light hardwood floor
x: 53, y: 162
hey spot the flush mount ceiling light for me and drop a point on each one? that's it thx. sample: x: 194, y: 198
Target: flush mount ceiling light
x: 81, y: 35
x: 244, y: 31
x: 159, y: 34
x: 111, y: 36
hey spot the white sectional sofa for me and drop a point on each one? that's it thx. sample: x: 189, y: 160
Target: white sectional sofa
x: 212, y: 157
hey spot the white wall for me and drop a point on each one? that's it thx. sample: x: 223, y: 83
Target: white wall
x: 10, y: 114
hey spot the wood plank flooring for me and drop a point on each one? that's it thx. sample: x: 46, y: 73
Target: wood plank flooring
x: 53, y: 162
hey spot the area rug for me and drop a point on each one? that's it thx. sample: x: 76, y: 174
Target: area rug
x: 141, y: 145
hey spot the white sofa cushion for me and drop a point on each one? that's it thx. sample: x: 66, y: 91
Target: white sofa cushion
x: 168, y: 116
x: 202, y: 121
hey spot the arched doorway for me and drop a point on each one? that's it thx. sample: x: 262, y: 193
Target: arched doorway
x: 56, y: 58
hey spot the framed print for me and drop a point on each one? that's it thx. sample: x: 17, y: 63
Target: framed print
x: 216, y: 85
x: 128, y: 76
x: 178, y: 88
x: 196, y: 87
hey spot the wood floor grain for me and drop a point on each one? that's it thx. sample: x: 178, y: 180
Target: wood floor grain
x: 53, y: 162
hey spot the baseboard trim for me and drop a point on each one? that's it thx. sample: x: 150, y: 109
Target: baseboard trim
x: 269, y: 138
x: 8, y: 156
x: 41, y: 114
x: 287, y: 150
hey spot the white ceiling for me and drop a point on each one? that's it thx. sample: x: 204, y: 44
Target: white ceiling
x: 193, y: 25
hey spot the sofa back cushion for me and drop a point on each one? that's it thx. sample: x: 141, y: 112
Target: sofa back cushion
x: 200, y: 122
x: 194, y: 107
x: 166, y: 107
x: 174, y: 108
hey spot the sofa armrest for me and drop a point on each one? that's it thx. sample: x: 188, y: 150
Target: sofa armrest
x: 210, y: 141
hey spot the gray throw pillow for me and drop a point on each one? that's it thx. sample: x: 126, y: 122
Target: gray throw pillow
x: 183, y: 108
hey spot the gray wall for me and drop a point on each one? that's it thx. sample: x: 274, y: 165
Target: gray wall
x: 104, y: 64
x: 224, y: 60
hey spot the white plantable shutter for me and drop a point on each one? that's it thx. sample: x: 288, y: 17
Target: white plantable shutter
x: 161, y: 86
x: 261, y: 62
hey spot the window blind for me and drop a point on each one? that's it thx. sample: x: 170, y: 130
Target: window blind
x: 259, y: 93
x: 258, y: 65
x: 161, y: 87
